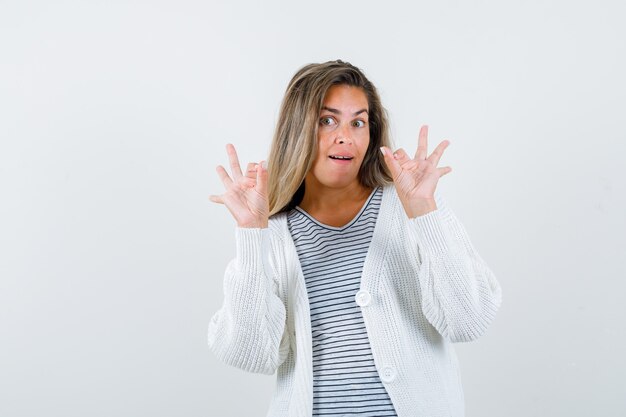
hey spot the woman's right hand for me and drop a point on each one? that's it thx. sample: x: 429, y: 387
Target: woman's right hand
x: 245, y: 197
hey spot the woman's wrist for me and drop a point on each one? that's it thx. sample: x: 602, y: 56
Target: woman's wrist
x: 420, y: 207
x: 253, y: 225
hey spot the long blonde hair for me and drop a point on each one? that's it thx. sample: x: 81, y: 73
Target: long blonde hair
x: 294, y: 146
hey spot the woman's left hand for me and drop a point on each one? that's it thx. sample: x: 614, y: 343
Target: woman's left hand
x: 416, y: 179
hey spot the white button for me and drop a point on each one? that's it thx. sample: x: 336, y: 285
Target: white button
x: 363, y: 298
x: 387, y: 374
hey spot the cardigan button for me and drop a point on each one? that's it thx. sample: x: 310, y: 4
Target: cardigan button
x: 363, y: 298
x: 387, y: 374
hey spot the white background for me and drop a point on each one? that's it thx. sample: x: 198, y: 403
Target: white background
x: 114, y: 115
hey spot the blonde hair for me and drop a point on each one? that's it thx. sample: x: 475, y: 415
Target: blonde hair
x: 294, y: 145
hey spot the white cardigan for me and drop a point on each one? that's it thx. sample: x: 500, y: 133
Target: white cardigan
x: 423, y: 287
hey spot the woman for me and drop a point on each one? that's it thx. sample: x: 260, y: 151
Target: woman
x: 352, y: 276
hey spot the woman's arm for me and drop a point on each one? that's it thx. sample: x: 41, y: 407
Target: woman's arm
x: 248, y: 331
x: 460, y: 294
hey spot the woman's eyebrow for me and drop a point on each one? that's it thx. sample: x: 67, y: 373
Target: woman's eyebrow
x: 335, y: 111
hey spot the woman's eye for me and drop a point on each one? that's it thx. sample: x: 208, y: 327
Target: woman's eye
x: 326, y: 121
x: 358, y: 123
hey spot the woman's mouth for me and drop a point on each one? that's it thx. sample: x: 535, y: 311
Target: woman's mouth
x: 341, y: 159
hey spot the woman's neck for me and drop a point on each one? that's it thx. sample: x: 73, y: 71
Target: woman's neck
x: 329, y: 202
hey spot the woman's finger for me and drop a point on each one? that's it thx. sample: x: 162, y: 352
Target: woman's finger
x: 392, y: 164
x: 422, y: 144
x: 250, y: 175
x: 216, y: 199
x: 234, y: 162
x: 261, y: 178
x: 443, y: 171
x: 438, y: 152
x: 251, y: 170
x: 414, y: 165
x: 401, y: 156
x: 226, y: 180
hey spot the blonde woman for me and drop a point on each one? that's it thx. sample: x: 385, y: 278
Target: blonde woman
x: 352, y: 277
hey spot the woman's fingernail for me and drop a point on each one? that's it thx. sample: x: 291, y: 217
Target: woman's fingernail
x: 382, y: 150
x: 264, y: 165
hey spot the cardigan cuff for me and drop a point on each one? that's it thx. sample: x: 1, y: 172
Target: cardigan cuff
x: 250, y: 245
x: 430, y: 232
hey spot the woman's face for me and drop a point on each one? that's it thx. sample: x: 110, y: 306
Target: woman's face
x: 343, y: 137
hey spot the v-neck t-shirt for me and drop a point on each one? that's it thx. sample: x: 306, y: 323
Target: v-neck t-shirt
x: 345, y: 378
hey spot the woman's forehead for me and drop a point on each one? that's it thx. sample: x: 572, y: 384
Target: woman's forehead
x: 345, y: 99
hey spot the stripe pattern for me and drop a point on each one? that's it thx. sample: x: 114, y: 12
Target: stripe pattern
x: 345, y: 379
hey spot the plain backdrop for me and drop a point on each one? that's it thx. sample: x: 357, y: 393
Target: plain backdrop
x: 114, y: 115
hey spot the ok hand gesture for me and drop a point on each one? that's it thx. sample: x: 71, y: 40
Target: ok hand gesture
x: 246, y: 198
x: 416, y: 179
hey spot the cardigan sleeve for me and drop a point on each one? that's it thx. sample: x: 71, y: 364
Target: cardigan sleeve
x: 248, y: 331
x: 460, y: 293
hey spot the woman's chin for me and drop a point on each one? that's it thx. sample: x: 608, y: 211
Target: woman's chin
x: 341, y: 182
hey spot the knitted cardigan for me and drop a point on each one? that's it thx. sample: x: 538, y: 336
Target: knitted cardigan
x: 423, y: 287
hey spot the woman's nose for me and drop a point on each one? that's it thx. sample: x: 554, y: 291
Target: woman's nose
x: 343, y: 136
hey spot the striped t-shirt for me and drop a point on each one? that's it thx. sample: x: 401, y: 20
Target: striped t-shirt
x: 345, y: 379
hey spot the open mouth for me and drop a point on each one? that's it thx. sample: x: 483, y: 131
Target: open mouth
x: 341, y: 158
